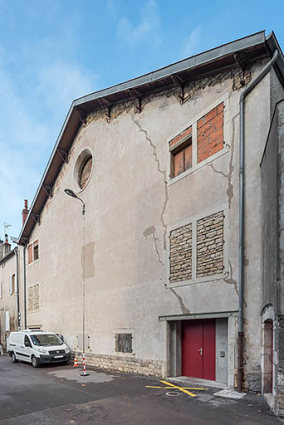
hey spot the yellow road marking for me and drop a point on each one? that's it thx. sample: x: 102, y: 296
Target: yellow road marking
x: 171, y: 386
x: 178, y: 388
x: 185, y: 388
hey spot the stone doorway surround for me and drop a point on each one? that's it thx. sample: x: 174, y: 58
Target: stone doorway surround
x: 174, y: 341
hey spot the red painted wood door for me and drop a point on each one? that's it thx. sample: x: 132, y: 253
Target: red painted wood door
x: 198, y: 348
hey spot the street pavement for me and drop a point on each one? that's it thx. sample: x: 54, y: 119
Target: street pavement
x: 60, y: 395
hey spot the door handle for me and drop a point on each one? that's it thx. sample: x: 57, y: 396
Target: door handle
x: 200, y: 351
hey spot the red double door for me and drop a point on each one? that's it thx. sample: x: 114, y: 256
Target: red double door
x: 199, y: 348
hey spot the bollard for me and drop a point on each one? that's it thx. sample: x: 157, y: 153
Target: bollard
x: 84, y: 366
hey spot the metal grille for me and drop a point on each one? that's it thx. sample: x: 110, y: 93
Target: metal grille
x: 57, y: 352
x: 123, y: 343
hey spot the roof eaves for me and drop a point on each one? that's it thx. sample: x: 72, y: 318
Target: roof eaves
x: 8, y: 256
x: 185, y: 64
x: 206, y: 57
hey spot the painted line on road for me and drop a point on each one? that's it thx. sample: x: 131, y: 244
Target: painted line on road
x: 182, y: 389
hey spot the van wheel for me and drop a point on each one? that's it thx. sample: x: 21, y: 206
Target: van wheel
x: 34, y: 361
x: 13, y: 357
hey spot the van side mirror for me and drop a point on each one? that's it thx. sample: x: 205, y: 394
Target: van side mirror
x: 27, y: 344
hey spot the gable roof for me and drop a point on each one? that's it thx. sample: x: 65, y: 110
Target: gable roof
x: 220, y: 59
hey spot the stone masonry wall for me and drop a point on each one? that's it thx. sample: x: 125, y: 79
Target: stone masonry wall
x: 33, y: 298
x: 122, y: 364
x: 181, y: 253
x: 210, y: 241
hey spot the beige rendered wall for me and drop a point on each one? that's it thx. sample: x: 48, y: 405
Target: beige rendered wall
x: 8, y: 301
x: 131, y: 206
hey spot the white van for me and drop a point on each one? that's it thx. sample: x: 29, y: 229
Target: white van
x: 37, y: 347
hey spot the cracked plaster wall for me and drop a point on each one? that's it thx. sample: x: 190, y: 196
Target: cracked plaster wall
x: 130, y: 205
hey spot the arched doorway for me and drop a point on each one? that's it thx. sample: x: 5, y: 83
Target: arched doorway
x: 268, y: 356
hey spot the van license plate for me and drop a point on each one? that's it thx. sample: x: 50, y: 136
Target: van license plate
x: 57, y: 357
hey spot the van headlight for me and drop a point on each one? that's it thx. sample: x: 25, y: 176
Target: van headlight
x: 67, y: 350
x: 42, y: 350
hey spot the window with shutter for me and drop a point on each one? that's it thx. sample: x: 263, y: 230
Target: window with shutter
x: 30, y: 254
x: 123, y: 343
x: 10, y: 285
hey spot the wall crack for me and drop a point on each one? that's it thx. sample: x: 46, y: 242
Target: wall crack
x: 181, y: 302
x: 162, y: 172
x: 150, y: 231
x: 230, y: 279
x: 230, y: 187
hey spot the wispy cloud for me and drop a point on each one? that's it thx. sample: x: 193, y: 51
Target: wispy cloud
x: 148, y: 30
x: 61, y: 82
x: 192, y: 42
x: 30, y: 125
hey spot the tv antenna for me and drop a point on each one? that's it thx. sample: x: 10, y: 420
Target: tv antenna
x: 6, y: 227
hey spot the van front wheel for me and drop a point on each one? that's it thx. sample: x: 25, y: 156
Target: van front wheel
x: 34, y: 361
x: 13, y: 357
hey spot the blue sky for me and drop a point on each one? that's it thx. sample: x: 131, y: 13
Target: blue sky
x: 53, y: 51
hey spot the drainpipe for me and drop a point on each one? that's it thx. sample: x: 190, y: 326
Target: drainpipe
x: 25, y: 287
x: 18, y: 289
x: 246, y: 91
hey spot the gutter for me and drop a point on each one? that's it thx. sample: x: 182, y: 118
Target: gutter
x: 246, y: 91
x: 18, y: 288
x: 25, y: 287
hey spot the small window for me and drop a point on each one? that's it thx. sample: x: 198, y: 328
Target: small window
x: 182, y: 158
x: 30, y: 254
x: 85, y: 172
x: 12, y: 284
x: 123, y: 343
x: 35, y: 250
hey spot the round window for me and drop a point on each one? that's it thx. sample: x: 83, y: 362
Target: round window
x: 83, y: 169
x: 85, y: 172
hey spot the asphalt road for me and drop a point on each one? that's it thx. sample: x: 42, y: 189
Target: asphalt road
x: 59, y: 395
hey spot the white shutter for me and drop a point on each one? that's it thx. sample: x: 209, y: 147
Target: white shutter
x: 7, y: 324
x: 10, y: 285
x: 0, y: 290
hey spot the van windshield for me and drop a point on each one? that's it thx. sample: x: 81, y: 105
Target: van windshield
x: 46, y: 339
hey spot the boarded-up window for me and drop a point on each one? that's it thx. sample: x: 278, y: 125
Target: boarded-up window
x: 182, y: 158
x: 210, y: 133
x: 33, y: 298
x: 181, y: 152
x: 123, y: 343
x: 210, y: 245
x: 181, y: 254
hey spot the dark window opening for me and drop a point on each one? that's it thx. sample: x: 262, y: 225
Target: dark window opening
x: 182, y: 158
x: 123, y: 343
x: 35, y: 249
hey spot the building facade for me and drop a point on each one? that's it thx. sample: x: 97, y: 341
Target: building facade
x: 142, y: 272
x: 9, y: 295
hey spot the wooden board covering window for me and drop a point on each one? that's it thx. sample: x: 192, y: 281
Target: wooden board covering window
x: 182, y: 158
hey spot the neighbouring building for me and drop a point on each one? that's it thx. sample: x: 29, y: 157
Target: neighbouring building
x: 9, y: 297
x: 272, y: 313
x: 167, y: 280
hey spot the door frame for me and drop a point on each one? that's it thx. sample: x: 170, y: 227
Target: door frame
x: 173, y: 341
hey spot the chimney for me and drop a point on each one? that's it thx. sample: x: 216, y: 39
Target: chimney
x: 1, y: 249
x: 6, y: 246
x: 25, y: 211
